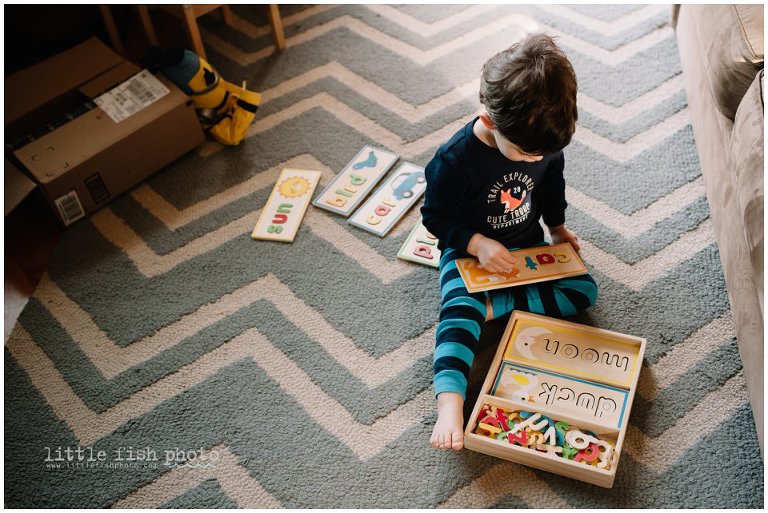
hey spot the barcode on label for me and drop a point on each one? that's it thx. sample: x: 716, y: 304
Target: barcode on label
x: 136, y: 93
x: 142, y: 94
x: 70, y: 208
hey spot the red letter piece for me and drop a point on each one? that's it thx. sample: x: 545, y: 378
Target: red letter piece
x: 381, y: 210
x: 502, y: 420
x: 589, y: 454
x: 280, y: 219
x: 423, y: 251
x: 521, y: 438
x: 545, y: 259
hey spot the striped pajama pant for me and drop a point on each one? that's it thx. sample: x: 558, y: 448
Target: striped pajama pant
x: 462, y: 315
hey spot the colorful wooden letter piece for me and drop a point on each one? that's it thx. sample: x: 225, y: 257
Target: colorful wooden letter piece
x: 589, y: 454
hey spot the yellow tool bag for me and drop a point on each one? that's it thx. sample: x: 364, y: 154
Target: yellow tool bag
x: 225, y: 110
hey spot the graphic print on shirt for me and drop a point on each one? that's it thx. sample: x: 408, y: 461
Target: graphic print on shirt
x: 510, y: 200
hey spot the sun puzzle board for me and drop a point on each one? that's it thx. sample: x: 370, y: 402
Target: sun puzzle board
x: 557, y: 397
x: 540, y: 263
x: 356, y: 180
x: 420, y: 247
x: 392, y: 200
x: 287, y: 203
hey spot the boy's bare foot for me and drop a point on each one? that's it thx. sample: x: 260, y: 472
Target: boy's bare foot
x: 448, y: 432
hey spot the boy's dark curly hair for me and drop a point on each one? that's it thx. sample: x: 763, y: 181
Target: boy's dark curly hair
x: 529, y: 92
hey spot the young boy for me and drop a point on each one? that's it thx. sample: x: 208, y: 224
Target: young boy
x: 487, y: 188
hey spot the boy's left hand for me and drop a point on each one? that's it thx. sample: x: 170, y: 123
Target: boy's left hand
x: 562, y: 234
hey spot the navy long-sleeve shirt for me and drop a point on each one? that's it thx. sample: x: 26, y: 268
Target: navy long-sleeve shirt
x: 473, y: 188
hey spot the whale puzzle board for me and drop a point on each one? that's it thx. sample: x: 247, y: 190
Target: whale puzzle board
x: 287, y: 203
x: 583, y: 376
x: 392, y: 200
x: 356, y: 180
x: 536, y: 264
x: 420, y: 247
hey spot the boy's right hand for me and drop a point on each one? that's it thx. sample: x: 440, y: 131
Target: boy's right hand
x: 493, y: 256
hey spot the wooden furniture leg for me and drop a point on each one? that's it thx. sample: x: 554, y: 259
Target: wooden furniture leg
x: 190, y: 23
x: 277, y: 26
x: 146, y: 23
x: 114, y: 35
x: 227, y: 13
x: 189, y: 14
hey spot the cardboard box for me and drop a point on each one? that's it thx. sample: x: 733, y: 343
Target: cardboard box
x: 567, y: 373
x: 17, y: 186
x: 87, y: 126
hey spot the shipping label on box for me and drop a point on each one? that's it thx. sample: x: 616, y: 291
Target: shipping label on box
x: 136, y: 93
x: 577, y: 397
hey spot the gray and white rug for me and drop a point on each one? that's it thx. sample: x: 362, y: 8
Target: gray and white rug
x: 299, y: 374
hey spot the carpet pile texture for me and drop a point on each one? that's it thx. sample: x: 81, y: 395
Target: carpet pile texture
x: 212, y: 370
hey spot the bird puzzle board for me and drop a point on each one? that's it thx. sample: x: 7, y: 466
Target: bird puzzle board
x: 420, y: 247
x: 356, y: 180
x: 392, y: 200
x: 287, y: 203
x: 536, y: 264
x: 557, y: 397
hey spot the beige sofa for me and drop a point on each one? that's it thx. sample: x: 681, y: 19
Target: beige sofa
x: 721, y: 51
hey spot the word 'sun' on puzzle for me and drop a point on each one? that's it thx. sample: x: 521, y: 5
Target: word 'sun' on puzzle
x: 391, y: 201
x: 281, y: 216
x: 540, y: 263
x: 557, y: 397
x: 420, y: 247
x: 356, y: 180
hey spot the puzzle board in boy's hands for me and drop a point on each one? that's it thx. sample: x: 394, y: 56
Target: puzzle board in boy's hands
x: 392, y: 200
x: 356, y: 180
x: 287, y: 203
x: 540, y: 263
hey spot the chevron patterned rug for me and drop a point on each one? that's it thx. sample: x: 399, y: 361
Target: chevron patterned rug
x: 169, y: 360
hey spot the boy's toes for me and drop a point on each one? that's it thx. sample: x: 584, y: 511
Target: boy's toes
x: 458, y: 441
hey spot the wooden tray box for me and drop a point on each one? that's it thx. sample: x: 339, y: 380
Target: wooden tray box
x: 568, y: 372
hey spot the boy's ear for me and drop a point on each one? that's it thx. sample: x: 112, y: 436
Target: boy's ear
x: 487, y: 121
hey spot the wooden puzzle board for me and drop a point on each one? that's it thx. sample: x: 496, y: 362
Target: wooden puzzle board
x: 540, y: 263
x: 502, y: 390
x: 356, y: 180
x: 593, y: 402
x: 420, y: 247
x: 569, y: 349
x: 392, y: 200
x: 287, y: 203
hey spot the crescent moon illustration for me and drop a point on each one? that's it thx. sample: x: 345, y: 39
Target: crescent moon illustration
x: 526, y: 339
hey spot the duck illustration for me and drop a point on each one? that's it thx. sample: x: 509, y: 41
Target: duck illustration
x: 369, y: 162
x: 510, y: 202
